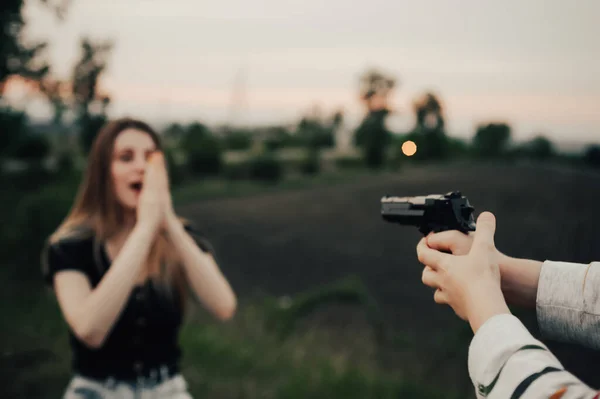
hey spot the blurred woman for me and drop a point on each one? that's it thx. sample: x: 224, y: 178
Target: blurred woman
x: 505, y: 360
x: 121, y: 264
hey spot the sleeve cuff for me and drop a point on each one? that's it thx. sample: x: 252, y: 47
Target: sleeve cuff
x: 565, y: 301
x: 493, y: 344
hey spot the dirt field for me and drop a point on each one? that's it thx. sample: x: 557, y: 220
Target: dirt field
x: 285, y: 243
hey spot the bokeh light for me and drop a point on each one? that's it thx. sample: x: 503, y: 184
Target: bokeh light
x: 409, y: 148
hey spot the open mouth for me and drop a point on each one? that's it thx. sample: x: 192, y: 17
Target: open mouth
x: 137, y: 187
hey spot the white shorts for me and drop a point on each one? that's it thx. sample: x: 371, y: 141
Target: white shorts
x: 85, y: 388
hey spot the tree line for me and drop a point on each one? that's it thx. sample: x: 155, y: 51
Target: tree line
x: 80, y: 109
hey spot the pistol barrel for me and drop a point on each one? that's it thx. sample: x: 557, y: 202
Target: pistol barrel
x: 402, y: 210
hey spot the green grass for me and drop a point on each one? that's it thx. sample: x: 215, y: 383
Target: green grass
x: 244, y: 358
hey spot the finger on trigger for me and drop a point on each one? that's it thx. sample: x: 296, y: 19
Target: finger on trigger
x: 429, y: 257
x: 442, y: 240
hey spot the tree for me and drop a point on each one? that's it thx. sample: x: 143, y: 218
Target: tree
x: 372, y: 135
x: 56, y: 92
x: 18, y: 58
x: 540, y: 147
x: 26, y: 60
x: 203, y: 150
x: 429, y: 132
x: 88, y: 101
x: 429, y: 113
x: 315, y: 131
x: 337, y: 119
x: 375, y: 85
x: 492, y: 140
x: 23, y: 60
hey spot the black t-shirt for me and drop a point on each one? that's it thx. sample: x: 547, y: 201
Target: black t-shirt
x: 145, y: 335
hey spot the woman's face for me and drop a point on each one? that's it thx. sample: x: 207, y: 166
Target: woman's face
x: 130, y: 154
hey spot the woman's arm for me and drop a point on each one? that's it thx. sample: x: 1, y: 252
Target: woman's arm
x: 91, y: 314
x: 202, y: 272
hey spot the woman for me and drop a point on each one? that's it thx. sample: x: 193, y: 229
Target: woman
x: 505, y: 360
x: 120, y: 265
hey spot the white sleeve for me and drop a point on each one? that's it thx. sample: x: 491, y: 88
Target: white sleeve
x: 568, y: 303
x: 506, y: 361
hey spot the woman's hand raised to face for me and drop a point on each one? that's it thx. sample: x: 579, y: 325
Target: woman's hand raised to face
x: 162, y: 175
x: 469, y: 283
x: 155, y: 198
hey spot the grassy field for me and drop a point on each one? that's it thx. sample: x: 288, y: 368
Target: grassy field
x: 277, y: 246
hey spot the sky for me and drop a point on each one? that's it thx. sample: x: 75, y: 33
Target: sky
x: 534, y: 64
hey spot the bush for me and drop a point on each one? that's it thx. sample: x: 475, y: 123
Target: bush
x: 278, y: 137
x: 311, y: 164
x: 592, y: 155
x: 238, y: 141
x: 90, y: 126
x: 458, y: 148
x: 204, y: 155
x: 65, y: 163
x: 538, y: 148
x: 237, y: 171
x: 266, y: 167
x: 28, y: 179
x: 13, y: 125
x: 29, y: 224
x: 272, y: 144
x: 396, y: 158
x: 31, y: 148
x: 349, y: 162
x: 176, y: 171
x: 541, y: 148
x: 492, y: 140
x: 431, y: 145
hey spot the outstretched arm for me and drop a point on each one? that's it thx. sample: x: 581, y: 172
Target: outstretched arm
x: 564, y: 294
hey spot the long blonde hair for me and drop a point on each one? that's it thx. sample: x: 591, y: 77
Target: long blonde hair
x: 97, y: 213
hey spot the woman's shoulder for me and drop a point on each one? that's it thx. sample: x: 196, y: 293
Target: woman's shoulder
x: 71, y: 250
x: 74, y: 250
x: 78, y: 240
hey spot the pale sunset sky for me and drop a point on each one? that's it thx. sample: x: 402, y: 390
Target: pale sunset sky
x: 532, y: 63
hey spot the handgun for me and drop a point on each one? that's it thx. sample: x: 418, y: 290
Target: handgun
x: 430, y: 213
